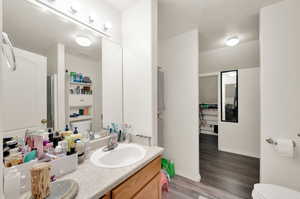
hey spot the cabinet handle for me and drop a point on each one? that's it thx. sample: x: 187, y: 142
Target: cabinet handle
x: 12, y: 63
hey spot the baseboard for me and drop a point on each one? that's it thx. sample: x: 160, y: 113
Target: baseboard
x: 240, y: 153
x: 195, y: 178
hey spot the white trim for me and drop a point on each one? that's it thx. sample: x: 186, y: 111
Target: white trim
x: 195, y: 178
x: 208, y: 74
x: 240, y: 153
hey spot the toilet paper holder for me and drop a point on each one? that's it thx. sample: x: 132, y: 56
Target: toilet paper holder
x: 271, y: 141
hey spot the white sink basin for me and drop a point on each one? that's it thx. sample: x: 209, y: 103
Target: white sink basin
x: 122, y: 156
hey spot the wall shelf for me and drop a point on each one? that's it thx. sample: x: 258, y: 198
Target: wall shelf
x: 76, y: 100
x: 208, y: 121
x: 80, y: 84
x: 80, y: 106
x: 81, y: 118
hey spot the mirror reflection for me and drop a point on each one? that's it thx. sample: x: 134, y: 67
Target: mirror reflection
x: 59, y: 81
x: 229, y: 96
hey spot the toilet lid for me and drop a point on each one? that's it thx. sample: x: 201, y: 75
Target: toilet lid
x: 267, y: 191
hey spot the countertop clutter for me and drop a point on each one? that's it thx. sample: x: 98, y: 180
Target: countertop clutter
x: 94, y: 182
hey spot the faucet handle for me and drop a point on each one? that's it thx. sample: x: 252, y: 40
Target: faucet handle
x: 143, y: 136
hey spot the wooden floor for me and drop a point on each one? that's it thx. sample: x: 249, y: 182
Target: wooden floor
x: 224, y: 175
x: 230, y: 172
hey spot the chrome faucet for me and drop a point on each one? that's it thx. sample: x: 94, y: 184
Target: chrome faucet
x: 111, y: 144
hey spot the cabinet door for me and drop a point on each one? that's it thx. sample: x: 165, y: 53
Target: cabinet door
x: 151, y: 190
x: 135, y: 183
x: 24, y: 92
x: 112, y: 78
x: 107, y: 196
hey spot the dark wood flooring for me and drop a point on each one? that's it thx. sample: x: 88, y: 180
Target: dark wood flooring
x: 233, y: 173
x: 182, y: 188
x: 224, y: 175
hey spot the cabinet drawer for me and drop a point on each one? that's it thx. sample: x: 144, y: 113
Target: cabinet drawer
x: 135, y: 183
x: 151, y: 190
x: 81, y: 100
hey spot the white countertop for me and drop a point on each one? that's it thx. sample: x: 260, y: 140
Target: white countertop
x: 94, y: 181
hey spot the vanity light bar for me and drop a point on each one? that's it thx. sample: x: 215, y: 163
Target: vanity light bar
x: 69, y: 17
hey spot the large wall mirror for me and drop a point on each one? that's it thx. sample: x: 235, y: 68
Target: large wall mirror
x: 66, y: 74
x: 229, y: 96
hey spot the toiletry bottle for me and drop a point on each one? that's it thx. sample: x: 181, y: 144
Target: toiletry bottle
x: 80, y: 148
x: 56, y: 139
x: 50, y: 135
x: 76, y: 130
x: 120, y: 136
x: 39, y: 145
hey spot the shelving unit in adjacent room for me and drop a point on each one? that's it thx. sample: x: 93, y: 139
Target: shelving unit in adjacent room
x: 209, y: 108
x: 209, y: 119
x: 80, y: 99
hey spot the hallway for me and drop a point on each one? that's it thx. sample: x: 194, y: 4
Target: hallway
x: 226, y: 171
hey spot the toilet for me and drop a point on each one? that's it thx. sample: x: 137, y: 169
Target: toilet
x: 268, y: 191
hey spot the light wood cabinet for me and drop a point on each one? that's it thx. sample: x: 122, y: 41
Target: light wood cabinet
x: 142, y: 185
x: 107, y: 196
x: 151, y: 190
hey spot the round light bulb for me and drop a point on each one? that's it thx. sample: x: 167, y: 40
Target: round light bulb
x: 107, y: 26
x: 91, y: 19
x: 74, y: 7
x: 83, y: 41
x: 232, y: 41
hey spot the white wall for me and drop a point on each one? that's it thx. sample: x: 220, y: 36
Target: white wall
x: 245, y: 55
x: 280, y: 90
x: 2, y: 64
x: 112, y: 71
x: 244, y: 137
x: 138, y: 38
x: 91, y: 68
x: 154, y: 20
x: 56, y: 65
x: 208, y: 89
x: 180, y: 57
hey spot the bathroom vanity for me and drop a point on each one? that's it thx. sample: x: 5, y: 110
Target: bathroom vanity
x: 143, y: 183
x: 137, y: 181
x: 67, y: 83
